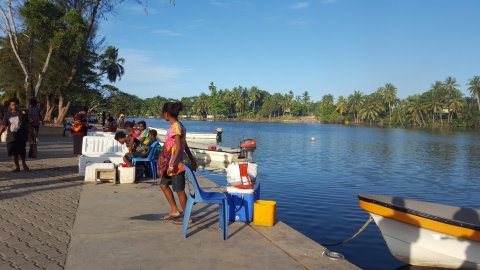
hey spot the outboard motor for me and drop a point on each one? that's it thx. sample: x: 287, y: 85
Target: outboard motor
x: 219, y: 134
x: 247, y: 147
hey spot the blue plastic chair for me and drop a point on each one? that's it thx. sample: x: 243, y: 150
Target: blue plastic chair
x: 200, y: 196
x: 150, y: 159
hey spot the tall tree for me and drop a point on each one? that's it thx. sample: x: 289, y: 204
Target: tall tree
x: 41, y: 20
x: 341, y: 105
x: 111, y: 65
x: 390, y: 95
x: 415, y: 107
x: 355, y: 102
x: 474, y: 88
x: 253, y: 95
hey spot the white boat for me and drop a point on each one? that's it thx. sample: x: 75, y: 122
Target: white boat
x: 191, y: 136
x: 427, y: 234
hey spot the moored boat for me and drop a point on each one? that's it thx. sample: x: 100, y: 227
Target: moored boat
x: 425, y: 233
x: 191, y: 136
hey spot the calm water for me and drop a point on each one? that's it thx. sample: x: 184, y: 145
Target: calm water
x: 316, y: 184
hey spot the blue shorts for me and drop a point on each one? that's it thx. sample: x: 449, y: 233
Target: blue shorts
x: 177, y: 181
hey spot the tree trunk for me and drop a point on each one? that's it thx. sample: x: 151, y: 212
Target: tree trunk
x: 44, y: 70
x: 478, y: 101
x: 74, y: 69
x: 62, y: 110
x: 50, y: 106
x: 423, y: 120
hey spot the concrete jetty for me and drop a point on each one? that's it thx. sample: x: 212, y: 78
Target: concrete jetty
x: 50, y: 219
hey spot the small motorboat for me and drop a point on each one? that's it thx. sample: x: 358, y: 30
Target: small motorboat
x: 425, y: 233
x: 191, y: 136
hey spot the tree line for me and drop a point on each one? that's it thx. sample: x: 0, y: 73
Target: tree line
x: 51, y: 51
x: 441, y: 105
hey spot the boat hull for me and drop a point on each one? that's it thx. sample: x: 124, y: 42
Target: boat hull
x: 423, y: 247
x: 426, y: 233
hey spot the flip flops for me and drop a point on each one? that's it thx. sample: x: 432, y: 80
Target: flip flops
x: 170, y: 217
x: 179, y: 221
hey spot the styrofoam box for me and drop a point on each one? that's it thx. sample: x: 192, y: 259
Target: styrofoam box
x: 90, y: 170
x: 86, y: 161
x: 127, y: 175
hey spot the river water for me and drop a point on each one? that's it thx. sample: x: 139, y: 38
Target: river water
x: 315, y: 184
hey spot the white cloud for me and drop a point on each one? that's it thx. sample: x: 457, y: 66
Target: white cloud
x: 166, y: 32
x: 300, y: 5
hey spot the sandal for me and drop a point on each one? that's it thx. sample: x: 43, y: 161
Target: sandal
x: 180, y: 221
x: 170, y: 217
x: 16, y: 170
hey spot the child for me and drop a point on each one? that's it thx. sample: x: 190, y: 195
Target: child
x: 142, y: 130
x: 170, y: 163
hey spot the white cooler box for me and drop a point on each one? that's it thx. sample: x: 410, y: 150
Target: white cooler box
x: 90, y: 170
x: 126, y: 175
x: 98, y: 149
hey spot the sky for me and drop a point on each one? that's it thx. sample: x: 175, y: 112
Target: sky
x: 320, y: 46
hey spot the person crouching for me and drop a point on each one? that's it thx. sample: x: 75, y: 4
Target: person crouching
x: 132, y: 144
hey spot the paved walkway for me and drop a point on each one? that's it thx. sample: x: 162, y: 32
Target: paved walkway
x: 38, y: 208
x: 49, y: 220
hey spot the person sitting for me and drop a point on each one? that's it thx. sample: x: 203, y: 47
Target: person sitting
x: 67, y: 127
x: 142, y: 130
x: 135, y: 147
x: 152, y: 137
x: 110, y: 123
x: 121, y: 121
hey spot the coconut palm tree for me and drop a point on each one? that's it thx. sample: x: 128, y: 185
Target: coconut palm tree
x: 474, y: 88
x: 455, y: 103
x: 355, y: 102
x: 111, y: 65
x: 434, y: 101
x: 390, y: 95
x: 371, y: 108
x: 341, y: 105
x: 254, y: 95
x: 415, y: 107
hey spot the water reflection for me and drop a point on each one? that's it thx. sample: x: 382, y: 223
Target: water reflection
x: 316, y: 184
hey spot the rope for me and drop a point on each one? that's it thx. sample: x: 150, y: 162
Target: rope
x: 370, y: 219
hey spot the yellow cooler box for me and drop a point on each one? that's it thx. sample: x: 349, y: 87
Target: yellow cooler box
x: 264, y: 213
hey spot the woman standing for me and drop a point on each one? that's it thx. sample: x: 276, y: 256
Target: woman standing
x: 15, y: 123
x: 170, y: 162
x: 80, y: 128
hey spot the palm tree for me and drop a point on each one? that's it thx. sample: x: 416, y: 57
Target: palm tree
x: 306, y: 101
x: 287, y: 101
x: 455, y: 105
x: 415, y: 107
x: 390, y: 95
x: 355, y: 102
x: 254, y: 95
x: 434, y: 101
x: 341, y: 105
x: 111, y: 65
x: 474, y: 88
x: 371, y: 107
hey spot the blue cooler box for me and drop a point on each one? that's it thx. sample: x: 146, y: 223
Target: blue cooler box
x: 240, y: 203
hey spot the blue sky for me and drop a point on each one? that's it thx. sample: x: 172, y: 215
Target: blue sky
x: 319, y: 46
